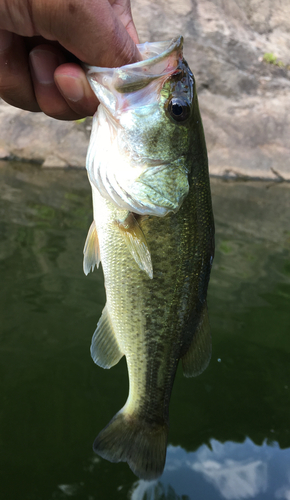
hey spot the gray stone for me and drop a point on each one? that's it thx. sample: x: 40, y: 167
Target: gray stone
x: 36, y: 137
x: 53, y: 161
x: 244, y: 101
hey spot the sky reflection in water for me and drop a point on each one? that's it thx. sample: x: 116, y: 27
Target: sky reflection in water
x: 232, y: 471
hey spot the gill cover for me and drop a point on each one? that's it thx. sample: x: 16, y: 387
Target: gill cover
x: 123, y: 161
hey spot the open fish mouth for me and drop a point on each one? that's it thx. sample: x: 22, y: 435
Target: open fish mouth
x: 113, y: 86
x: 159, y: 59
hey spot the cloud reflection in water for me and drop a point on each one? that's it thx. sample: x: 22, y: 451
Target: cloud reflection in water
x: 235, y: 479
x: 233, y: 471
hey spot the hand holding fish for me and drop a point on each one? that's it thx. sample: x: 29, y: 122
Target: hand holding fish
x: 40, y: 41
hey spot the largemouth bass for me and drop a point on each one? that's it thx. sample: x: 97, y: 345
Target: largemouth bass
x: 153, y: 231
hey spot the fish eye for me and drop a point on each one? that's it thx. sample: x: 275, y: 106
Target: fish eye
x: 178, y: 109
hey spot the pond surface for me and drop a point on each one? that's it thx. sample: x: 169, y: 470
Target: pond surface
x: 230, y: 427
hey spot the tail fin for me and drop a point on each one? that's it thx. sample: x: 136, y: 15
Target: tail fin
x: 129, y: 439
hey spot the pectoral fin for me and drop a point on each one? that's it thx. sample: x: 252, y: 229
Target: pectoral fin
x: 198, y: 355
x: 91, y: 250
x: 136, y: 243
x: 105, y: 349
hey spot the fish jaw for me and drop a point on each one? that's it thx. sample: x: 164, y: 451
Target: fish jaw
x: 146, y: 187
x: 160, y: 59
x: 142, y: 156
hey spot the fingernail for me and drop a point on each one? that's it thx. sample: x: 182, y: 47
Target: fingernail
x: 44, y: 64
x: 71, y: 87
x: 5, y: 40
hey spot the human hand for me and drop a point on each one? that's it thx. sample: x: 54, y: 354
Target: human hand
x: 39, y: 40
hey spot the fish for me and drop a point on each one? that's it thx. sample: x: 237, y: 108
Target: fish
x: 153, y: 232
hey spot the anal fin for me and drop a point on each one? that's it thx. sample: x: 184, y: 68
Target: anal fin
x: 198, y: 355
x: 136, y: 243
x: 105, y: 349
x: 91, y: 250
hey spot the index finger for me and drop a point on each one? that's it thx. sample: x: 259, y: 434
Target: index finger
x: 91, y: 30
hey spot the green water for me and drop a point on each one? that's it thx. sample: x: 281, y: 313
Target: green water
x: 230, y: 429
